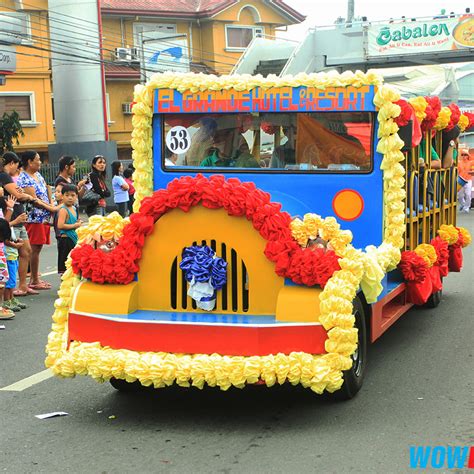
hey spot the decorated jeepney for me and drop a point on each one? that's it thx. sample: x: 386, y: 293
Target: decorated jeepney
x: 280, y: 225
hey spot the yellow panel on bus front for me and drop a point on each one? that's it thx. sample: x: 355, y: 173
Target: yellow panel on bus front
x: 252, y: 285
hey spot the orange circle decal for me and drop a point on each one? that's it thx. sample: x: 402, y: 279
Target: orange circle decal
x: 348, y: 204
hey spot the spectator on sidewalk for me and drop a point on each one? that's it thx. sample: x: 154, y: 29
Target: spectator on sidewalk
x: 67, y: 223
x: 37, y: 223
x: 67, y: 169
x: 465, y: 176
x: 120, y: 188
x: 97, y: 181
x: 8, y: 179
x: 127, y: 175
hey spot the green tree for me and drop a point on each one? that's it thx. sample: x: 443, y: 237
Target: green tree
x: 10, y: 131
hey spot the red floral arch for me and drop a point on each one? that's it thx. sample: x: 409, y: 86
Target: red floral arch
x: 303, y: 266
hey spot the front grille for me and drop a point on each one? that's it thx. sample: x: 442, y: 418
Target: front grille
x: 233, y: 297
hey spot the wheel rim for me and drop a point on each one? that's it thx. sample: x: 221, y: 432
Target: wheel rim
x: 357, y: 356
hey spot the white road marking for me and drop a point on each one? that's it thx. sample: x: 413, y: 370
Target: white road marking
x: 49, y: 273
x: 28, y: 382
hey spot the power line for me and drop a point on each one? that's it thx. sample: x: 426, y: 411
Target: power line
x: 88, y: 59
x: 51, y: 20
x: 95, y: 48
x: 119, y: 36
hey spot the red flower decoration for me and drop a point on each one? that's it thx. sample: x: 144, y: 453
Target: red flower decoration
x: 442, y: 254
x: 405, y: 114
x: 413, y: 267
x: 309, y: 267
x: 269, y: 128
x: 460, y: 241
x: 455, y: 115
x: 470, y: 116
x: 432, y: 110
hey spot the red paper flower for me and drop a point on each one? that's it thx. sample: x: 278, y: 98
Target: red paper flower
x: 413, y: 267
x: 442, y: 254
x: 405, y: 114
x: 269, y: 128
x: 309, y: 267
x: 460, y: 241
x: 432, y: 110
x: 455, y: 115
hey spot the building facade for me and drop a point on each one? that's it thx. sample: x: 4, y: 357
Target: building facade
x: 138, y: 38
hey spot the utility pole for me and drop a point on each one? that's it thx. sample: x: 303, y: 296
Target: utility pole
x: 350, y: 11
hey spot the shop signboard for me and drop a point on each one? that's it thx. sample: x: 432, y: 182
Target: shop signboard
x: 415, y: 37
x: 7, y: 59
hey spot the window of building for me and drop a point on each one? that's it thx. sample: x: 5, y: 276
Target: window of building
x: 21, y: 102
x: 322, y: 142
x: 146, y: 31
x: 239, y: 37
x: 25, y: 25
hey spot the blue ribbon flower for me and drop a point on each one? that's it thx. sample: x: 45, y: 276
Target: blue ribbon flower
x: 201, y: 263
x: 218, y: 273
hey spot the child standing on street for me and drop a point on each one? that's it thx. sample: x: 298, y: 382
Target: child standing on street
x: 11, y: 254
x: 68, y: 222
x: 5, y: 235
x: 127, y: 175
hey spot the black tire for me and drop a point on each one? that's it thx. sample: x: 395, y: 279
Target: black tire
x: 124, y: 386
x: 354, y: 377
x: 434, y: 300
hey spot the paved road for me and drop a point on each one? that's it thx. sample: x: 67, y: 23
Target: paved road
x: 418, y: 391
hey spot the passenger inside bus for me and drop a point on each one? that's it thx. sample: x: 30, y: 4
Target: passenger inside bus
x: 201, y: 141
x: 450, y: 141
x: 284, y: 155
x: 318, y: 142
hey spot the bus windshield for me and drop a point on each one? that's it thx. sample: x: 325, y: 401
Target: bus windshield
x: 269, y: 142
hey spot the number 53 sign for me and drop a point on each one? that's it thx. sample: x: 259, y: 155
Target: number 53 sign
x: 178, y: 140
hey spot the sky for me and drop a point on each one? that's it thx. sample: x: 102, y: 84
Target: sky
x: 324, y: 12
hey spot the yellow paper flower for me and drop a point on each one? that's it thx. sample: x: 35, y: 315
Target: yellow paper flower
x: 443, y: 118
x: 448, y: 233
x: 100, y: 228
x: 419, y: 104
x: 467, y: 239
x: 463, y: 122
x: 427, y: 252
